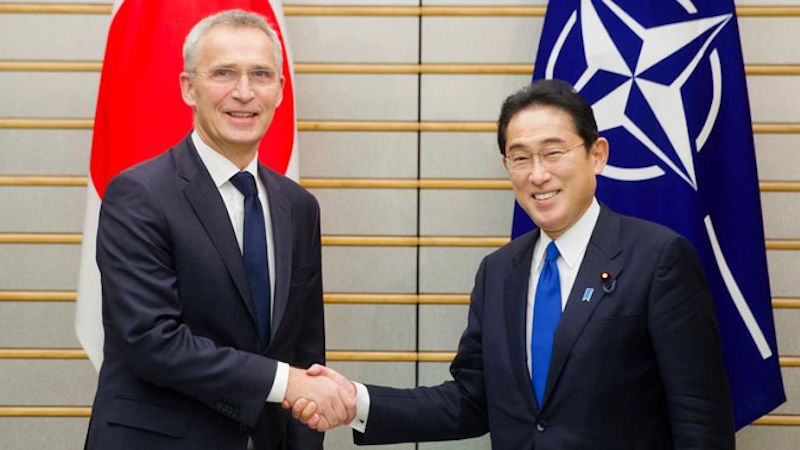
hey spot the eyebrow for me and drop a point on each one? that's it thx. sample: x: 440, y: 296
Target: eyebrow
x: 550, y: 140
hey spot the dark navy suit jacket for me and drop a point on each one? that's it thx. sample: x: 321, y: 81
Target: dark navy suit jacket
x: 183, y: 366
x: 639, y: 367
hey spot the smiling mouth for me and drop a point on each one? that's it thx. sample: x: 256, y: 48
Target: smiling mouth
x: 241, y: 115
x: 546, y: 195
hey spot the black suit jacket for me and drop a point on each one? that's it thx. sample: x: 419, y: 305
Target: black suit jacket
x: 639, y: 367
x: 183, y: 366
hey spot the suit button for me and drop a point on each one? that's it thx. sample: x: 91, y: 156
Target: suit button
x: 541, y: 425
x: 242, y: 427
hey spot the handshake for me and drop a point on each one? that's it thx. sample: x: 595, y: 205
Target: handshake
x: 320, y: 397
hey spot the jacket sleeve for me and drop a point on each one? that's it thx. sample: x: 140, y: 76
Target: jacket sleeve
x: 311, y: 341
x: 142, y: 311
x: 453, y: 410
x: 688, y: 350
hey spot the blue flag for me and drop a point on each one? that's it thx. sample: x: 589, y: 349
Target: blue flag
x: 666, y: 82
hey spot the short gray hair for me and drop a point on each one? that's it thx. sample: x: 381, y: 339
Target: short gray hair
x: 235, y: 18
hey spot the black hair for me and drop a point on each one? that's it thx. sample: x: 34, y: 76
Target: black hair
x: 552, y: 93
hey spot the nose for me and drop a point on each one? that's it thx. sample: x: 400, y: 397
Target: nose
x: 538, y: 174
x: 242, y: 90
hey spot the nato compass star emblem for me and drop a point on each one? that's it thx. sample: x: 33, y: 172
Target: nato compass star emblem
x: 637, y: 78
x: 639, y: 73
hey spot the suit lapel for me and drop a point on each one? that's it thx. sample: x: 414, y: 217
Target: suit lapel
x: 516, y: 300
x: 602, y: 255
x: 280, y: 210
x: 207, y: 203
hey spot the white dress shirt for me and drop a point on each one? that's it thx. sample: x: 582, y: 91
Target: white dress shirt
x: 221, y: 170
x: 571, y: 245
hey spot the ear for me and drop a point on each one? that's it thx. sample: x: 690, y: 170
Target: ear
x: 280, y: 92
x: 599, y: 154
x: 187, y: 89
x: 505, y: 163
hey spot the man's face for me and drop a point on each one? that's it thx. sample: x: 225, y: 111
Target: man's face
x: 233, y: 117
x: 557, y: 196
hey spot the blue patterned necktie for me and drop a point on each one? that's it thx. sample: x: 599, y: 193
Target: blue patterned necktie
x: 546, y: 313
x: 254, y: 241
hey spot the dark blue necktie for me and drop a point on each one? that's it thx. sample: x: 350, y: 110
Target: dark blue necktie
x: 254, y: 246
x: 546, y: 313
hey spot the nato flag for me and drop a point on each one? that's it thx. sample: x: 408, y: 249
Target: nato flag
x: 666, y: 82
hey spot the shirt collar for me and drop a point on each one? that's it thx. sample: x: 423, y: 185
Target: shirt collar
x: 219, y: 167
x: 573, y: 242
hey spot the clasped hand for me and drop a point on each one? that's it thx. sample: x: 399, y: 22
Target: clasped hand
x: 320, y: 397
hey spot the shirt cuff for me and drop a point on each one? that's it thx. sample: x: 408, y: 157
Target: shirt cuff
x: 278, y: 391
x: 362, y: 408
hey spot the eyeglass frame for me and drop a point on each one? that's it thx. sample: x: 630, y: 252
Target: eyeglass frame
x: 209, y: 75
x: 561, y: 152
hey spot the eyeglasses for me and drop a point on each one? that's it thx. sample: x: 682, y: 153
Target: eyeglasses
x: 548, y: 158
x: 229, y: 77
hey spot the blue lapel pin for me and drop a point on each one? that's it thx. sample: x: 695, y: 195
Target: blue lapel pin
x: 587, y: 294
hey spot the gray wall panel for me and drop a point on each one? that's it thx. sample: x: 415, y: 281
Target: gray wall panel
x: 777, y: 156
x: 762, y: 437
x: 484, y: 2
x: 42, y: 208
x: 383, y: 373
x: 49, y: 94
x: 356, y: 97
x: 466, y: 212
x: 379, y: 211
x: 774, y: 98
x: 791, y: 383
x: 440, y: 326
x: 342, y: 438
x: 38, y: 324
x: 434, y: 373
x: 346, y: 39
x: 460, y: 155
x: 781, y: 212
x: 783, y: 266
x: 39, y: 266
x: 786, y: 321
x: 369, y: 269
x: 53, y: 36
x: 51, y: 433
x: 467, y: 97
x: 354, y: 2
x: 75, y: 384
x: 480, y: 39
x: 769, y: 40
x: 371, y: 327
x: 45, y: 152
x: 481, y: 443
x: 355, y: 154
x: 449, y: 269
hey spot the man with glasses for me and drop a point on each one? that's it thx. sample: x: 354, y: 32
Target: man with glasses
x: 210, y: 264
x: 595, y: 331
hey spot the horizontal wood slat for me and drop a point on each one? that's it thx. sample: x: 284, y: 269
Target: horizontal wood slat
x: 353, y: 241
x: 330, y: 355
x: 45, y: 411
x: 359, y: 183
x: 334, y: 298
x: 86, y: 411
x: 38, y: 296
x: 341, y: 10
x: 306, y: 125
x: 358, y: 68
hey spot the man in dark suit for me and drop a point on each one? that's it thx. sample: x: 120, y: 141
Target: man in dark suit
x: 211, y: 276
x: 595, y: 331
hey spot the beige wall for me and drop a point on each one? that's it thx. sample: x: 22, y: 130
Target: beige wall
x: 366, y: 96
